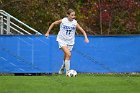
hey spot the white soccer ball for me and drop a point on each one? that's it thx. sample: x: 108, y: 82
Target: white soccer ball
x: 71, y: 73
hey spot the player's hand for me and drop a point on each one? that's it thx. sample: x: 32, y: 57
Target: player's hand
x: 86, y: 40
x: 47, y: 34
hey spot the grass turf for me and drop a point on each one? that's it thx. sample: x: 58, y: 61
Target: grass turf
x: 84, y: 83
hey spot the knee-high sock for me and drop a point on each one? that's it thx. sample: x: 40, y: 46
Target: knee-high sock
x: 67, y: 65
x: 63, y: 65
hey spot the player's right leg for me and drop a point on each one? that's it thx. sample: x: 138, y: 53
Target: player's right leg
x: 67, y: 57
x: 61, y: 71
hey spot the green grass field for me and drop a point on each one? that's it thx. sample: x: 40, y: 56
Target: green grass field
x: 83, y: 83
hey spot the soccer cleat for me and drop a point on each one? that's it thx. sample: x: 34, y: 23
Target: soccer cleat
x: 61, y: 71
x: 67, y: 72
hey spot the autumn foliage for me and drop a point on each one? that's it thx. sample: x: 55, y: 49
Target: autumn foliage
x: 97, y: 17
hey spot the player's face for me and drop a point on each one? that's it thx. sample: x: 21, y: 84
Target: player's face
x: 71, y: 16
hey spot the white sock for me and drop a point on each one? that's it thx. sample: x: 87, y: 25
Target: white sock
x: 63, y: 66
x: 67, y: 65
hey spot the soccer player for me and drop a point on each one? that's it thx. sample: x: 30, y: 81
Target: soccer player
x: 66, y: 37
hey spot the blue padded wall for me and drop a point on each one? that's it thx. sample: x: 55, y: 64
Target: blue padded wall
x: 38, y: 54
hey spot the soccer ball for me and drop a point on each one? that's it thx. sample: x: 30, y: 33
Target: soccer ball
x: 71, y: 73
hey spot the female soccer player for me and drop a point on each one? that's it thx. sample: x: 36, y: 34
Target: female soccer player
x: 66, y: 36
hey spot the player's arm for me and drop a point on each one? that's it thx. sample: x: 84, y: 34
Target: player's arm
x: 84, y: 33
x: 52, y: 25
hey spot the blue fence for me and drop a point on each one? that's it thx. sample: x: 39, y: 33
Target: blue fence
x: 38, y: 54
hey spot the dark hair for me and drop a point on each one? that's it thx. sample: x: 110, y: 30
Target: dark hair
x: 70, y: 11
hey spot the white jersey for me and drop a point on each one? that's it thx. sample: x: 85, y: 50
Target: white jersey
x: 67, y: 31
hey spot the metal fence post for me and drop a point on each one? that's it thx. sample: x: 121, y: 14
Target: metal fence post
x: 8, y: 24
x: 1, y: 25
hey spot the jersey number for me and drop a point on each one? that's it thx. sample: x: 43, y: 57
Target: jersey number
x: 68, y: 32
